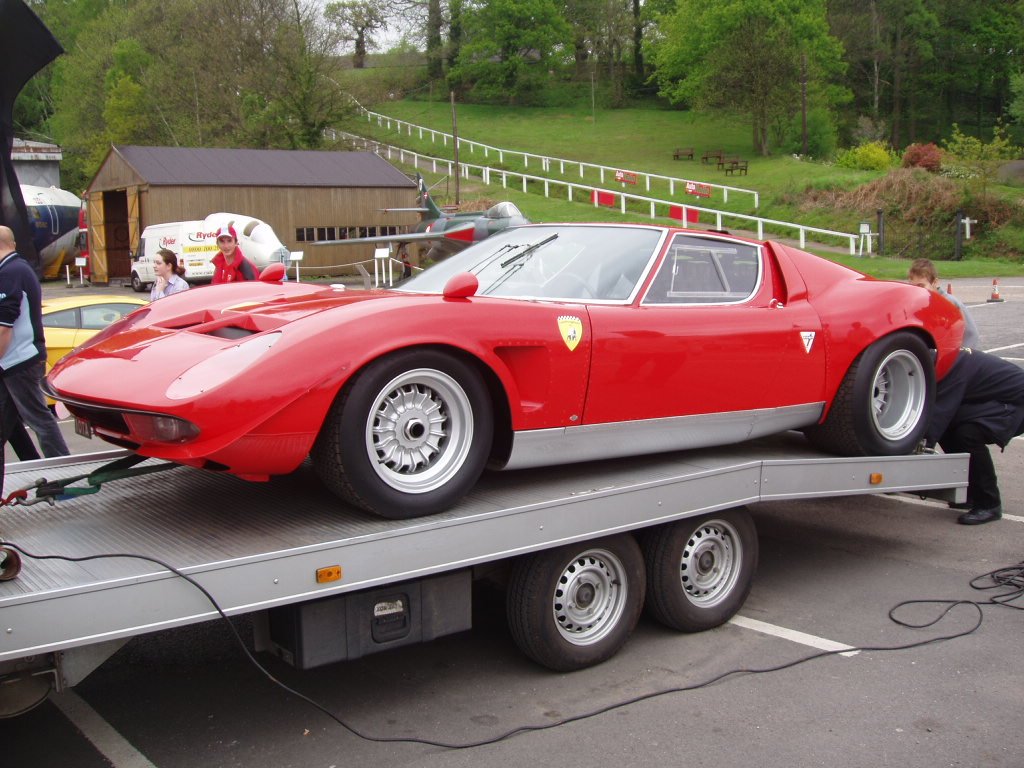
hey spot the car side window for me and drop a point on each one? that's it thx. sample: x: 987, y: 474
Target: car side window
x: 99, y: 316
x: 65, y: 318
x: 706, y: 271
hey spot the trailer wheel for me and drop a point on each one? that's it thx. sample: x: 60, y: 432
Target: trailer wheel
x: 883, y: 404
x: 409, y: 436
x: 10, y: 564
x: 575, y: 606
x: 700, y: 570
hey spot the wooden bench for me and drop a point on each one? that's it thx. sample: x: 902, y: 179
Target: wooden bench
x: 736, y: 166
x: 725, y: 162
x: 684, y: 152
x: 712, y: 154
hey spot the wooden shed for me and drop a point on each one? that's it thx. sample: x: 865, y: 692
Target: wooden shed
x: 303, y: 195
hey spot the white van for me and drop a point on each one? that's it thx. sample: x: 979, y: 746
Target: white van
x: 193, y: 242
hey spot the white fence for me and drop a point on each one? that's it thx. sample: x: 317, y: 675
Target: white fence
x: 598, y: 196
x: 546, y: 163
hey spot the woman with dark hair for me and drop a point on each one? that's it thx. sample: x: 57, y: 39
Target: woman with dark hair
x: 170, y: 276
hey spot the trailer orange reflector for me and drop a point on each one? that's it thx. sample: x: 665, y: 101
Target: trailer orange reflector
x: 330, y: 573
x: 876, y: 478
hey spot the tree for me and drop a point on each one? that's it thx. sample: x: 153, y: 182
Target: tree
x: 981, y: 158
x: 357, y: 21
x: 748, y: 56
x: 510, y: 46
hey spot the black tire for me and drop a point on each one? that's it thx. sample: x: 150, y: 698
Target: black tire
x: 408, y: 436
x: 137, y: 285
x: 884, y: 402
x: 700, y: 569
x: 575, y: 606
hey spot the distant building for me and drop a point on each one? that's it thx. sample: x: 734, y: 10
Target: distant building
x: 304, y: 195
x: 37, y: 163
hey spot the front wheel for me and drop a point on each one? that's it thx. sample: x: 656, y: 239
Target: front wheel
x: 137, y: 285
x: 575, y: 606
x: 884, y: 402
x: 409, y: 436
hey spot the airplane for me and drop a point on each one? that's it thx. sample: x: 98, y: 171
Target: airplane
x: 53, y: 223
x: 447, y: 233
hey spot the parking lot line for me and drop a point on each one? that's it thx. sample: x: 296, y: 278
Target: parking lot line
x: 108, y: 742
x: 793, y: 635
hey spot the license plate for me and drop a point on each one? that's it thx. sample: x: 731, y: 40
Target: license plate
x: 83, y: 427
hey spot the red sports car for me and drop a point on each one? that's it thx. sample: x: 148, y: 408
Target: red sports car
x: 544, y: 344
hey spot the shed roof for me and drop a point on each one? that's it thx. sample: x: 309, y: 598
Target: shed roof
x: 195, y: 166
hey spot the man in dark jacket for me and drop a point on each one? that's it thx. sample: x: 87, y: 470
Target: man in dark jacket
x: 23, y: 351
x: 979, y: 403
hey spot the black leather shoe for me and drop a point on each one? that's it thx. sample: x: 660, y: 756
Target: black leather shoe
x: 979, y: 516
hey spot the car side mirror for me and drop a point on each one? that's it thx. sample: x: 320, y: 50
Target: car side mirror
x: 272, y: 273
x: 461, y: 286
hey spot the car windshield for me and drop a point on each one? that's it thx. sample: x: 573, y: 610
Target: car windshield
x: 551, y: 262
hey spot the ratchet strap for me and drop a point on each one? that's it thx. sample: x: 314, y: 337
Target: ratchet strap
x: 52, y: 491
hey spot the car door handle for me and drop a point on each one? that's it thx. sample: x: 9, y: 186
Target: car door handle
x: 776, y: 304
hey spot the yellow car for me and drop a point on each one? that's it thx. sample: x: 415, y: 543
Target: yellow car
x: 73, y: 320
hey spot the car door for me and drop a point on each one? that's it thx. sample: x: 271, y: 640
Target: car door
x: 714, y: 333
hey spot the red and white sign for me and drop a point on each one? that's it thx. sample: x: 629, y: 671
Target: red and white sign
x: 600, y: 197
x: 625, y: 177
x: 700, y: 190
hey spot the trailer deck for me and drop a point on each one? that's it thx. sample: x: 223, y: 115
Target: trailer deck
x: 255, y: 546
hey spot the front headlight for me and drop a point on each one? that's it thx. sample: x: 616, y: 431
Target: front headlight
x: 224, y: 365
x: 150, y: 427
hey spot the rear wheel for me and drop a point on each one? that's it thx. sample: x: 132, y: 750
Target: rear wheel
x: 700, y: 570
x: 409, y: 436
x: 884, y: 402
x: 575, y: 606
x: 137, y: 284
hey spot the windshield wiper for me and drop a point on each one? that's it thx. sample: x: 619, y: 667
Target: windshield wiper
x: 521, y: 255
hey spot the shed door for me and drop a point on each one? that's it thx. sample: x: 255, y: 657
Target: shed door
x: 97, y: 239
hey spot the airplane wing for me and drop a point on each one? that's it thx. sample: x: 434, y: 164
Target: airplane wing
x: 462, y: 235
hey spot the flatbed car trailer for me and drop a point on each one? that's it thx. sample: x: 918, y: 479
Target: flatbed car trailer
x: 580, y: 548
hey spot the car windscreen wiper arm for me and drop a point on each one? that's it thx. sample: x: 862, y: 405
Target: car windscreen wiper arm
x: 521, y: 255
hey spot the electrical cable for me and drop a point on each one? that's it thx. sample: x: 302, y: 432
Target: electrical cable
x: 1009, y: 577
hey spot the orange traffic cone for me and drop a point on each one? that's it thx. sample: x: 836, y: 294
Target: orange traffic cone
x: 995, y: 290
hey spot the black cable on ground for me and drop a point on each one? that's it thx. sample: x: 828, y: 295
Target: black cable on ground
x: 1010, y: 578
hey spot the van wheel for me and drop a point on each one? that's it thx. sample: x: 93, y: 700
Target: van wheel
x: 137, y: 284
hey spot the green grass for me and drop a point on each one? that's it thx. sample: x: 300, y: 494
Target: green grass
x: 643, y: 140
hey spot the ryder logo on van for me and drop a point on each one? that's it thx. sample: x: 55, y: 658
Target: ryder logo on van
x: 198, y: 237
x: 165, y: 241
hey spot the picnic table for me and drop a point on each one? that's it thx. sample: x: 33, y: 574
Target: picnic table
x: 682, y: 152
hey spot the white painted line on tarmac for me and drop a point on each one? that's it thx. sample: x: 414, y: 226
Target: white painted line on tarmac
x: 111, y: 744
x: 793, y: 635
x: 909, y: 498
x: 1000, y: 349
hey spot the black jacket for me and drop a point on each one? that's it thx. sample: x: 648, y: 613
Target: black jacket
x: 984, y: 389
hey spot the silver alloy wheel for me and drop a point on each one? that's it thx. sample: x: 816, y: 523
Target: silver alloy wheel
x: 898, y: 394
x: 711, y: 563
x: 590, y: 597
x: 419, y: 430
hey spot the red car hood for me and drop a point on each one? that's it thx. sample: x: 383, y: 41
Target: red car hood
x: 138, y: 357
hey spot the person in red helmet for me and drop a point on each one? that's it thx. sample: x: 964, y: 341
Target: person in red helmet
x: 230, y: 264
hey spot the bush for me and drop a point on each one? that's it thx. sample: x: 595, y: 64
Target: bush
x: 872, y: 156
x: 927, y: 156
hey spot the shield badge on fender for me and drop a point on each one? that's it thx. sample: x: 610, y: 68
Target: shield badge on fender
x: 571, y: 329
